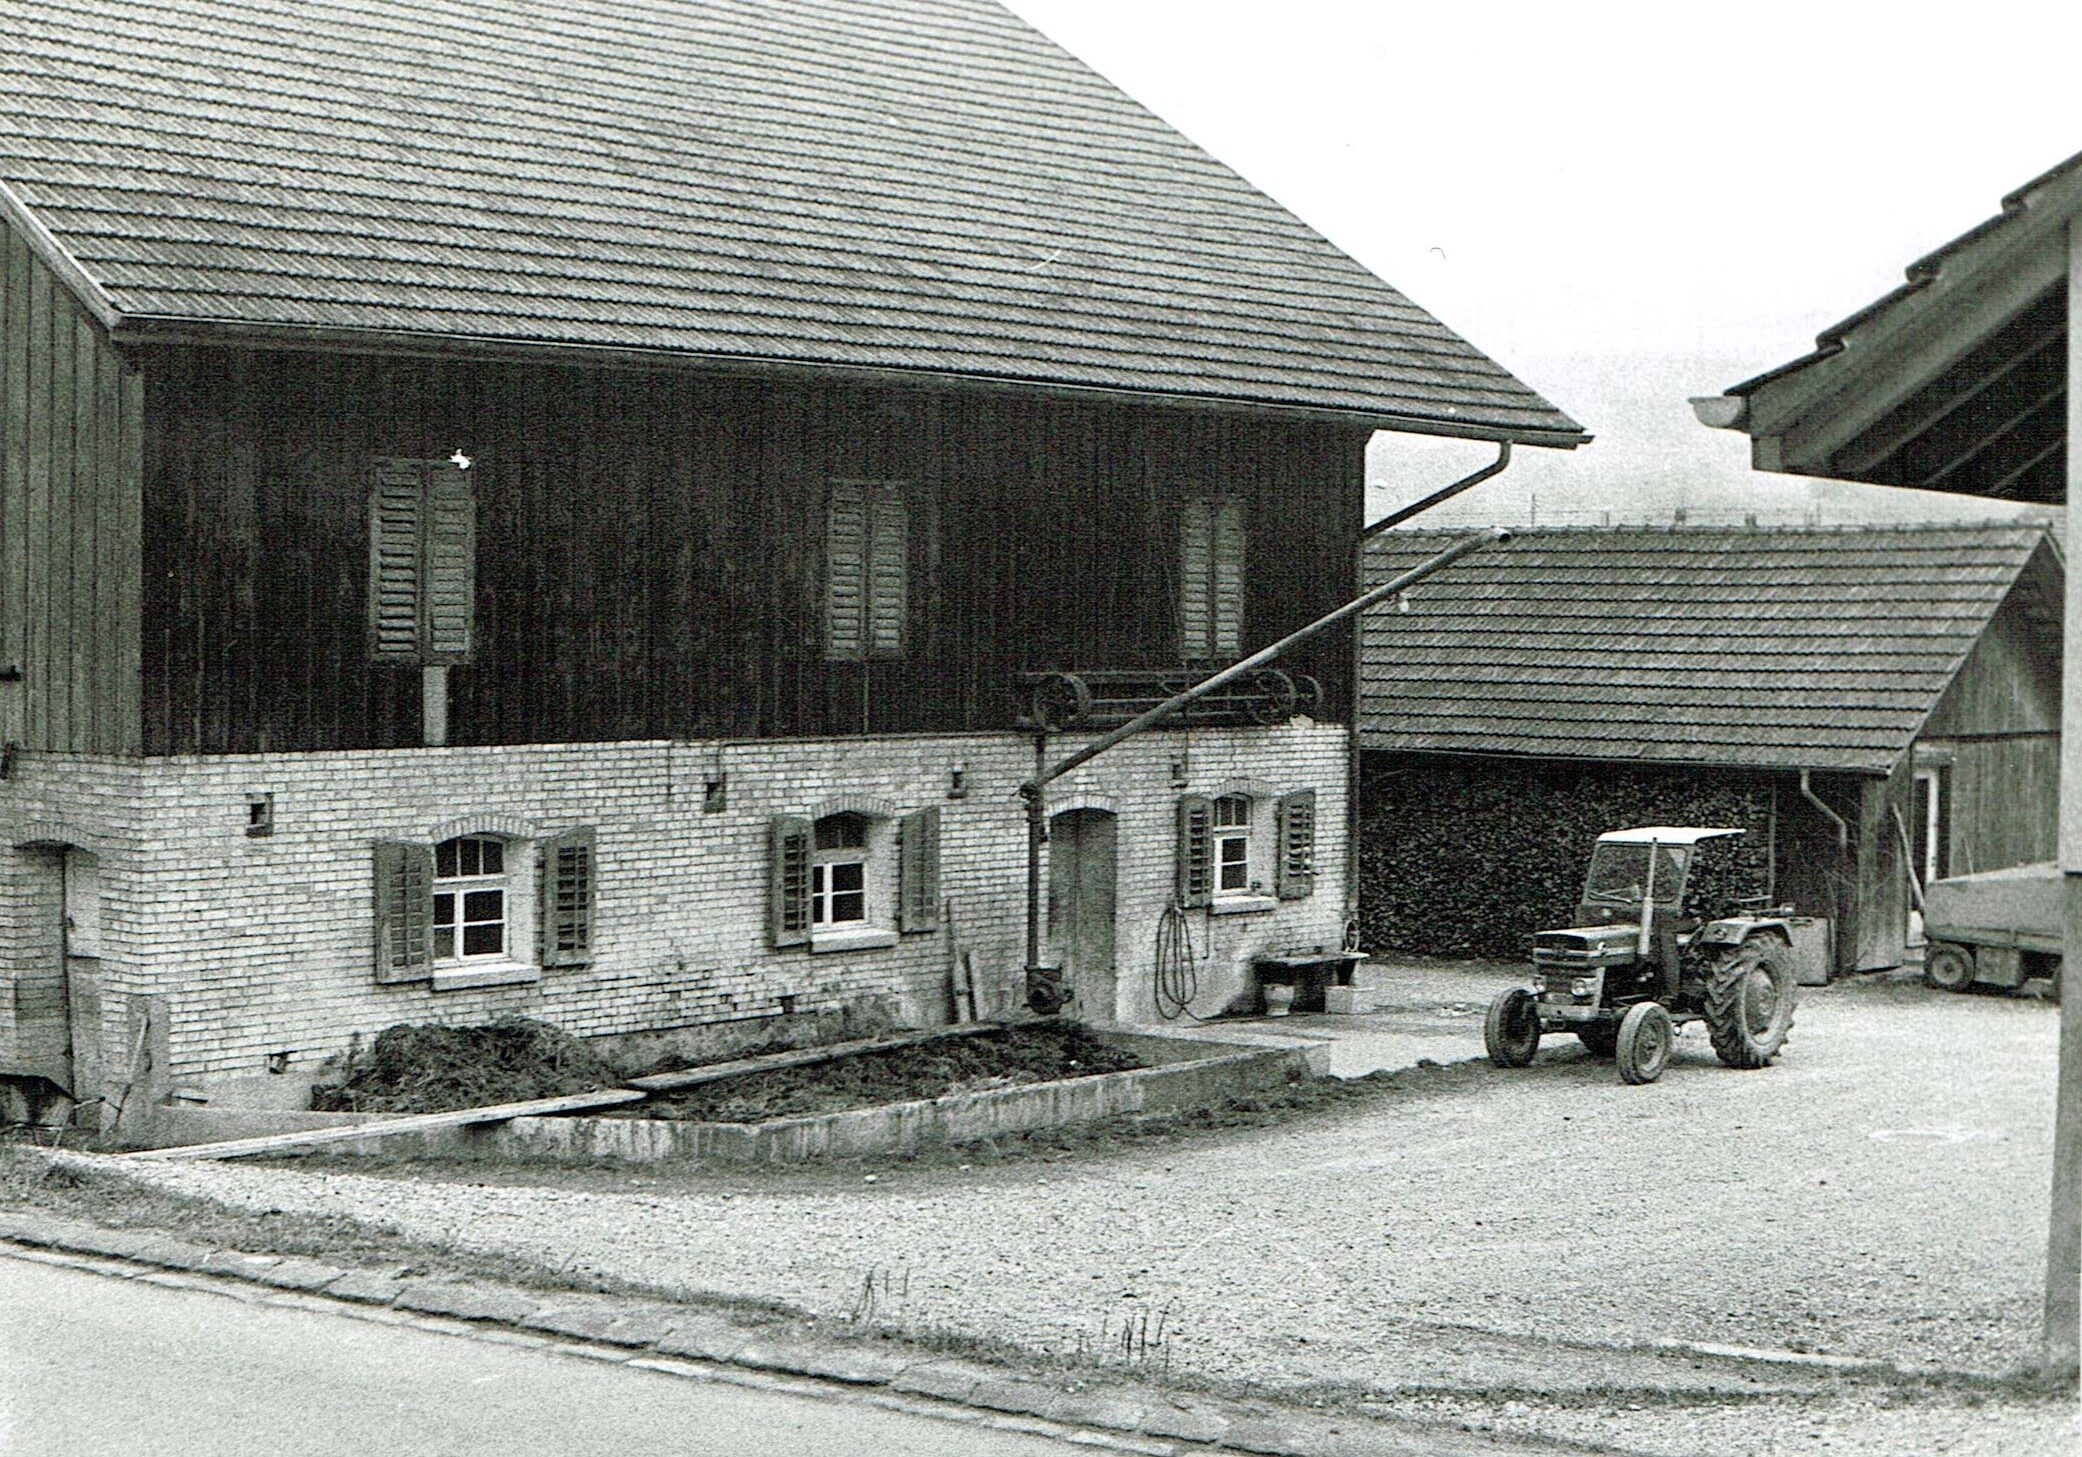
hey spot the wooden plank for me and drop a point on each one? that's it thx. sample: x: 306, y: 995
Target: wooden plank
x: 112, y: 704
x: 14, y: 473
x: 389, y: 1127
x: 800, y: 1057
x: 82, y: 646
x: 36, y: 539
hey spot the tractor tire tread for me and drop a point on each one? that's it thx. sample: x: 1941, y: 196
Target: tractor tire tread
x: 1727, y: 1025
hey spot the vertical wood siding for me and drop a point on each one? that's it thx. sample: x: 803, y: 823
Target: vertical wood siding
x: 70, y: 487
x: 650, y: 548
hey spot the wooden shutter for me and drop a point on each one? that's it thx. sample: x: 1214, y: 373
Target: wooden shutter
x: 1195, y: 850
x: 396, y: 500
x: 918, y: 907
x: 1195, y: 580
x: 404, y: 911
x: 1225, y: 632
x: 449, y: 564
x: 888, y: 571
x: 564, y: 899
x: 788, y: 885
x: 845, y: 572
x: 1297, y: 845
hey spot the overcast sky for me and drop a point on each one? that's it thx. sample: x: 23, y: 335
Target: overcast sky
x: 1623, y: 204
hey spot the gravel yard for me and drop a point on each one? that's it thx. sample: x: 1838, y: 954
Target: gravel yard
x: 1879, y: 1193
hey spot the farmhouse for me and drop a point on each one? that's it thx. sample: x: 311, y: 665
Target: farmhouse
x: 1871, y: 704
x: 549, y: 512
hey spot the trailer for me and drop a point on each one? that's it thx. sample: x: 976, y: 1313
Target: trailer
x: 2000, y: 927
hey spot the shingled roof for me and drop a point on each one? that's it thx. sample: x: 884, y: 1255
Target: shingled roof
x: 908, y: 185
x: 1767, y: 648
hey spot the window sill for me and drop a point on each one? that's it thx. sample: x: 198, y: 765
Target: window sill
x: 484, y: 974
x: 867, y: 938
x: 1241, y: 905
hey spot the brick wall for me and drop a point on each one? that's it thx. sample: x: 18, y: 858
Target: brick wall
x: 265, y: 944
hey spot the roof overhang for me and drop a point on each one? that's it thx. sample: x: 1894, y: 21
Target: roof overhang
x: 1663, y: 835
x: 1955, y: 381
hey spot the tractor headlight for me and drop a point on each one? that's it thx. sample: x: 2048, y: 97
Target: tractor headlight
x: 1580, y: 988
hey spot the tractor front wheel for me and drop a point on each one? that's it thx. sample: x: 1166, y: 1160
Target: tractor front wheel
x: 1749, y: 1001
x: 1643, y: 1043
x: 1948, y: 968
x: 1511, y: 1031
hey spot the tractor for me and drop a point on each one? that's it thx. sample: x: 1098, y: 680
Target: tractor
x: 1656, y: 944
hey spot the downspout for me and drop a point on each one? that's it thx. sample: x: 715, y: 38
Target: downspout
x: 1843, y: 829
x: 1353, y: 752
x: 1035, y: 790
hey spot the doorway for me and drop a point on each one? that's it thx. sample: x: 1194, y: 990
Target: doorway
x: 57, y: 970
x: 1928, y: 822
x: 1081, y: 898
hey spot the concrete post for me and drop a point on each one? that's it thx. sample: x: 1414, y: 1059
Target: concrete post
x: 2062, y: 1335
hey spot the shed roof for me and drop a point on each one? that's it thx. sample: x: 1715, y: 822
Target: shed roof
x: 886, y: 185
x: 1766, y: 648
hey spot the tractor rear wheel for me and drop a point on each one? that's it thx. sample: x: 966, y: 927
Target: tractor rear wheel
x: 1749, y: 1001
x: 1947, y: 967
x: 1643, y: 1043
x: 1511, y: 1031
x: 1598, y: 1038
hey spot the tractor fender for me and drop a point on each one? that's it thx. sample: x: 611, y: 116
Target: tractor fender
x: 1737, y: 929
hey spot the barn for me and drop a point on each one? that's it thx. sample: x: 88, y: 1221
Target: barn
x: 1874, y: 705
x: 552, y: 513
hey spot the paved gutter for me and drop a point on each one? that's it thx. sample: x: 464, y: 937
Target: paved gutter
x: 697, y: 1343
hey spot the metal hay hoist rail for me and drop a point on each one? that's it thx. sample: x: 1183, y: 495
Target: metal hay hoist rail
x: 1108, y: 697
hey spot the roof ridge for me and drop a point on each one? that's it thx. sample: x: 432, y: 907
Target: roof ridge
x: 1682, y: 528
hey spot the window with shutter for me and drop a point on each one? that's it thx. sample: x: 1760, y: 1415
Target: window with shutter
x: 867, y: 568
x: 918, y: 904
x: 1297, y: 845
x: 1195, y: 850
x: 422, y: 561
x: 565, y: 898
x: 788, y: 883
x: 1210, y: 578
x: 404, y: 884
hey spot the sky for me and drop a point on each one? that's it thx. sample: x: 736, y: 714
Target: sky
x: 1624, y: 204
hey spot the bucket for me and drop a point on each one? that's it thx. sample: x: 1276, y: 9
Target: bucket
x: 1279, y: 998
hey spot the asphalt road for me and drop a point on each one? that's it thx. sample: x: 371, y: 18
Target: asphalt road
x: 97, y: 1366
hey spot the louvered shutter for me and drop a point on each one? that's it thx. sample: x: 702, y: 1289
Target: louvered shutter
x: 1226, y: 597
x: 1195, y: 850
x: 449, y: 564
x: 888, y: 571
x: 404, y: 911
x: 845, y: 572
x: 1297, y: 845
x: 918, y: 908
x: 788, y: 884
x: 564, y: 899
x: 396, y: 501
x: 1195, y: 580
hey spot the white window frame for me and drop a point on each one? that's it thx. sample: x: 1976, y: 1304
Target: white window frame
x: 823, y: 865
x: 459, y: 887
x: 1229, y: 843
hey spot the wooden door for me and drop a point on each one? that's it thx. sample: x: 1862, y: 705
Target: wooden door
x: 1081, y: 898
x: 42, y: 986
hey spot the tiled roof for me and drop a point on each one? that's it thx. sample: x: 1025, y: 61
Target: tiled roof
x: 911, y: 185
x: 1785, y: 648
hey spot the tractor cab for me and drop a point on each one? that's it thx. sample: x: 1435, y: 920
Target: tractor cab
x: 1630, y: 870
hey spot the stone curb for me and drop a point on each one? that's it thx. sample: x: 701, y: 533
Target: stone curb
x: 663, y: 1336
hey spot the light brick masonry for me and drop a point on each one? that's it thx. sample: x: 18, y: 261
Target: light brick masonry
x: 264, y: 945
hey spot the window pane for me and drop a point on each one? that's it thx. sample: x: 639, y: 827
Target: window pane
x: 484, y: 940
x: 817, y: 879
x: 444, y: 909
x: 1233, y: 853
x: 848, y: 875
x: 1232, y: 810
x: 848, y: 906
x: 491, y: 857
x: 444, y: 943
x: 444, y: 859
x: 484, y: 905
x: 842, y: 832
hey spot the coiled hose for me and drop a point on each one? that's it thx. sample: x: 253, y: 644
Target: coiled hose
x: 1178, y: 968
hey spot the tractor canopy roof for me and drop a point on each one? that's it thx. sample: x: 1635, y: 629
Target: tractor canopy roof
x: 1662, y: 835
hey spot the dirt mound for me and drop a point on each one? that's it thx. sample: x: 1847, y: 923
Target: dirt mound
x: 418, y: 1068
x: 928, y: 1070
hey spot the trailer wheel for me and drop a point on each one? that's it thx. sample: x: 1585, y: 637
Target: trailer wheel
x: 1749, y: 1001
x: 1947, y: 967
x: 1643, y: 1044
x: 1511, y: 1031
